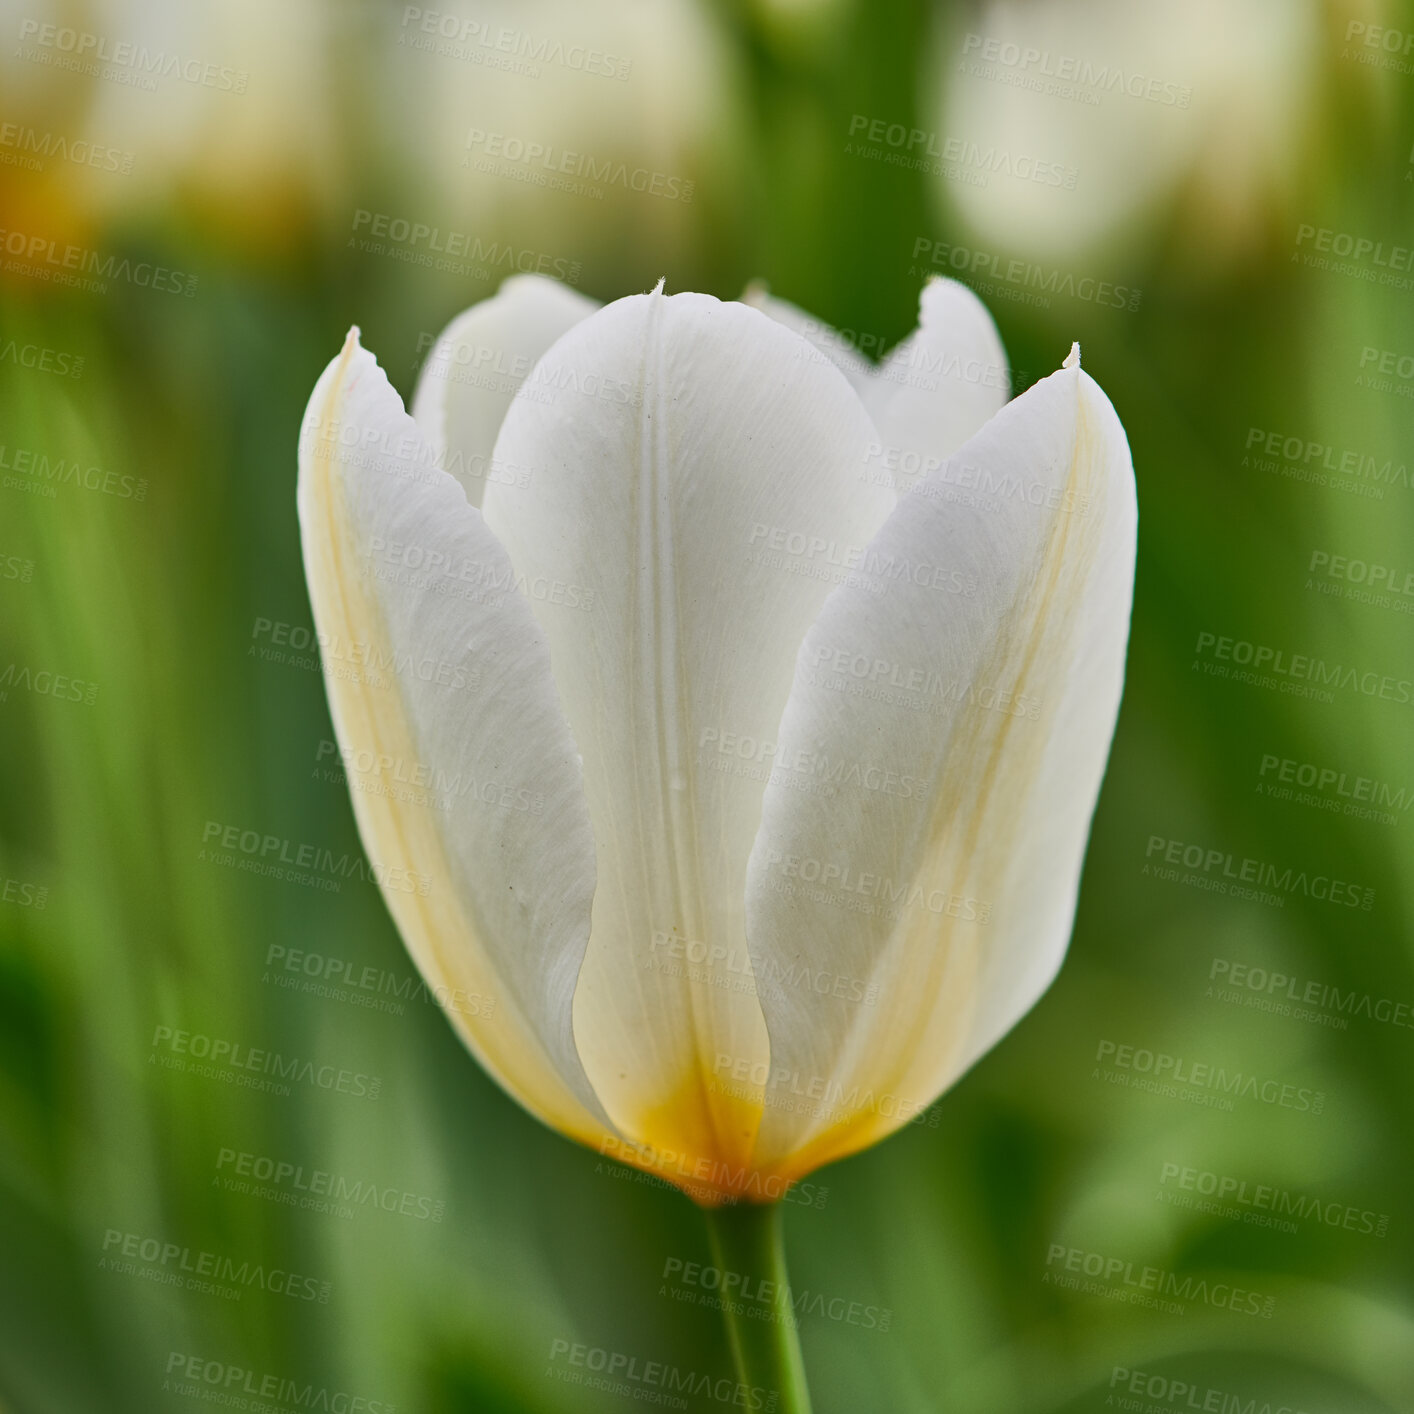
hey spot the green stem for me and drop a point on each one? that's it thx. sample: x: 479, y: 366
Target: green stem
x: 747, y: 1239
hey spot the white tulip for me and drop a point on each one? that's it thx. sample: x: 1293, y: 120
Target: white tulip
x: 732, y: 799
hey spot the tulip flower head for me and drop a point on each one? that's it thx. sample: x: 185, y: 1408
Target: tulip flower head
x: 724, y: 715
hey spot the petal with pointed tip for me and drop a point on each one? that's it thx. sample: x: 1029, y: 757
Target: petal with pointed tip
x: 465, y: 782
x: 984, y: 685
x: 677, y: 545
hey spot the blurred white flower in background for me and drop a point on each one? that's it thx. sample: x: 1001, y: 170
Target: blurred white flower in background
x: 240, y: 116
x: 224, y: 113
x: 588, y: 116
x: 1121, y: 108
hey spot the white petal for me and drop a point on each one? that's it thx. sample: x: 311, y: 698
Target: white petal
x: 646, y: 530
x: 464, y: 779
x: 825, y: 340
x: 940, y: 386
x: 971, y: 708
x: 478, y: 364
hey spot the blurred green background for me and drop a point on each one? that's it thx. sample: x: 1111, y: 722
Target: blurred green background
x: 150, y: 547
